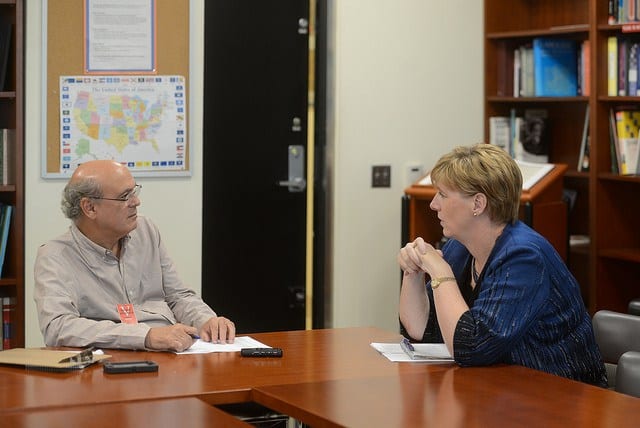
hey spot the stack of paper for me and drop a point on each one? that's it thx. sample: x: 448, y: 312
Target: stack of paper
x: 202, y: 347
x: 424, y: 352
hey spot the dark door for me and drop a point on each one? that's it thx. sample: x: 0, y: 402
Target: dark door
x: 255, y: 120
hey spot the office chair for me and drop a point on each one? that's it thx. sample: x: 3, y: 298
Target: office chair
x: 628, y: 374
x: 616, y: 333
x: 634, y: 306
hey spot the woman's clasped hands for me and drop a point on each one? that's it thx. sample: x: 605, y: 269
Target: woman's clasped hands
x: 419, y: 256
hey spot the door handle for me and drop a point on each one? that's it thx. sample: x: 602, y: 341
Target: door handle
x: 299, y: 184
x: 296, y: 181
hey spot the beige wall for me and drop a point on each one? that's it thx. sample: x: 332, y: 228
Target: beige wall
x: 406, y: 88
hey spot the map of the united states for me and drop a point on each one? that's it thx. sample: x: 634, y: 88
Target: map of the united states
x: 137, y: 120
x: 124, y: 120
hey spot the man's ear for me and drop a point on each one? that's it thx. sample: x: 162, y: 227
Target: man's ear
x: 88, y: 207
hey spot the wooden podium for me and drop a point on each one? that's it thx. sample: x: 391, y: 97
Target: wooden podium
x: 542, y: 207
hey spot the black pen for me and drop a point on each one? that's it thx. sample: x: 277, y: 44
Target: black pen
x: 195, y: 336
x: 408, y: 348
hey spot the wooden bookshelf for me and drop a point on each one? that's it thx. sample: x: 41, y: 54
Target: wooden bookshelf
x: 12, y: 117
x: 607, y: 204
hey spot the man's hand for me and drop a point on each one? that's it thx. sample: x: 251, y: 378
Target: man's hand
x: 218, y: 330
x: 176, y: 338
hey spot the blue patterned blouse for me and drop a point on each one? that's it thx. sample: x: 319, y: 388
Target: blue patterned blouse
x: 528, y: 310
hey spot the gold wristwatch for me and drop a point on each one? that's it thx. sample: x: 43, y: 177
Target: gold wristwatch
x: 435, y: 282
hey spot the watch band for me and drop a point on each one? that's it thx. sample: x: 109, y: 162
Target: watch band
x: 435, y: 282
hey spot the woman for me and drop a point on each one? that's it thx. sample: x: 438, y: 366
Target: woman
x: 498, y: 291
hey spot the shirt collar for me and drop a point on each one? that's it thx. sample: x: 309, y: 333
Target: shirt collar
x: 93, y: 252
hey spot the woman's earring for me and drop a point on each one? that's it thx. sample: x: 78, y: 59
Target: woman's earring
x: 475, y: 214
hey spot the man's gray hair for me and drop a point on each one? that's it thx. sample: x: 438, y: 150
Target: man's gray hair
x: 74, y: 192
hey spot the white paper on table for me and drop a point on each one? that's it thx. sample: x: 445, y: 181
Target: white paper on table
x: 202, y: 347
x: 437, y: 352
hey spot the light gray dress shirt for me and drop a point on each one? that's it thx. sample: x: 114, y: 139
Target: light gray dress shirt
x: 78, y: 285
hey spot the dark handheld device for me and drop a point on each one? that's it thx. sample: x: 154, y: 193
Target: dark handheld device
x: 130, y: 367
x: 261, y: 352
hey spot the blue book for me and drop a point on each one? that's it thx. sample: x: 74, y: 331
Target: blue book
x: 555, y: 63
x: 4, y: 233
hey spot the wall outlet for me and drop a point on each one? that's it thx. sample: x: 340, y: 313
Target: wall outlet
x: 414, y: 172
x: 381, y: 176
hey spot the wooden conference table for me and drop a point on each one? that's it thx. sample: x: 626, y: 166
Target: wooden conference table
x: 327, y: 377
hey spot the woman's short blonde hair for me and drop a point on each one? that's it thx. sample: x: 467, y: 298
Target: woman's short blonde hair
x: 486, y: 169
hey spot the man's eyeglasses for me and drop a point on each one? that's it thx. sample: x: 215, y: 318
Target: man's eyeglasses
x: 135, y: 192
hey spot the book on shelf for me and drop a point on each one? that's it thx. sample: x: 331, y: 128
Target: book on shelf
x: 500, y: 132
x: 5, y: 221
x: 516, y: 72
x: 528, y: 76
x: 583, y: 158
x: 525, y: 83
x: 555, y: 67
x: 515, y: 122
x: 7, y: 156
x: 613, y: 143
x: 622, y: 66
x: 623, y: 11
x: 584, y: 68
x: 612, y: 12
x: 627, y: 121
x: 532, y: 143
x: 612, y: 66
x: 585, y: 162
x: 6, y: 29
x: 7, y: 324
x: 632, y: 68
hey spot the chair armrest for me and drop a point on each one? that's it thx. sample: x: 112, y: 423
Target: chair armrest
x: 628, y: 374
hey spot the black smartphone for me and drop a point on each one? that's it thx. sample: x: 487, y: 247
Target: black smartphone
x: 129, y: 367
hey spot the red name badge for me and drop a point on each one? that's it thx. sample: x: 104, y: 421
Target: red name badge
x: 127, y: 314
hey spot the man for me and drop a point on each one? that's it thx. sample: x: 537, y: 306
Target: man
x: 109, y: 281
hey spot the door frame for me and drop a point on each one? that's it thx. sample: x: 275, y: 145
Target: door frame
x: 321, y: 301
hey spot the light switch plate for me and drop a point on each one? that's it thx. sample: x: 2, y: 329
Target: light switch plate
x: 381, y: 176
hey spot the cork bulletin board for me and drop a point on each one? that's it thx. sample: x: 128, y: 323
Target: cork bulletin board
x: 64, y: 47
